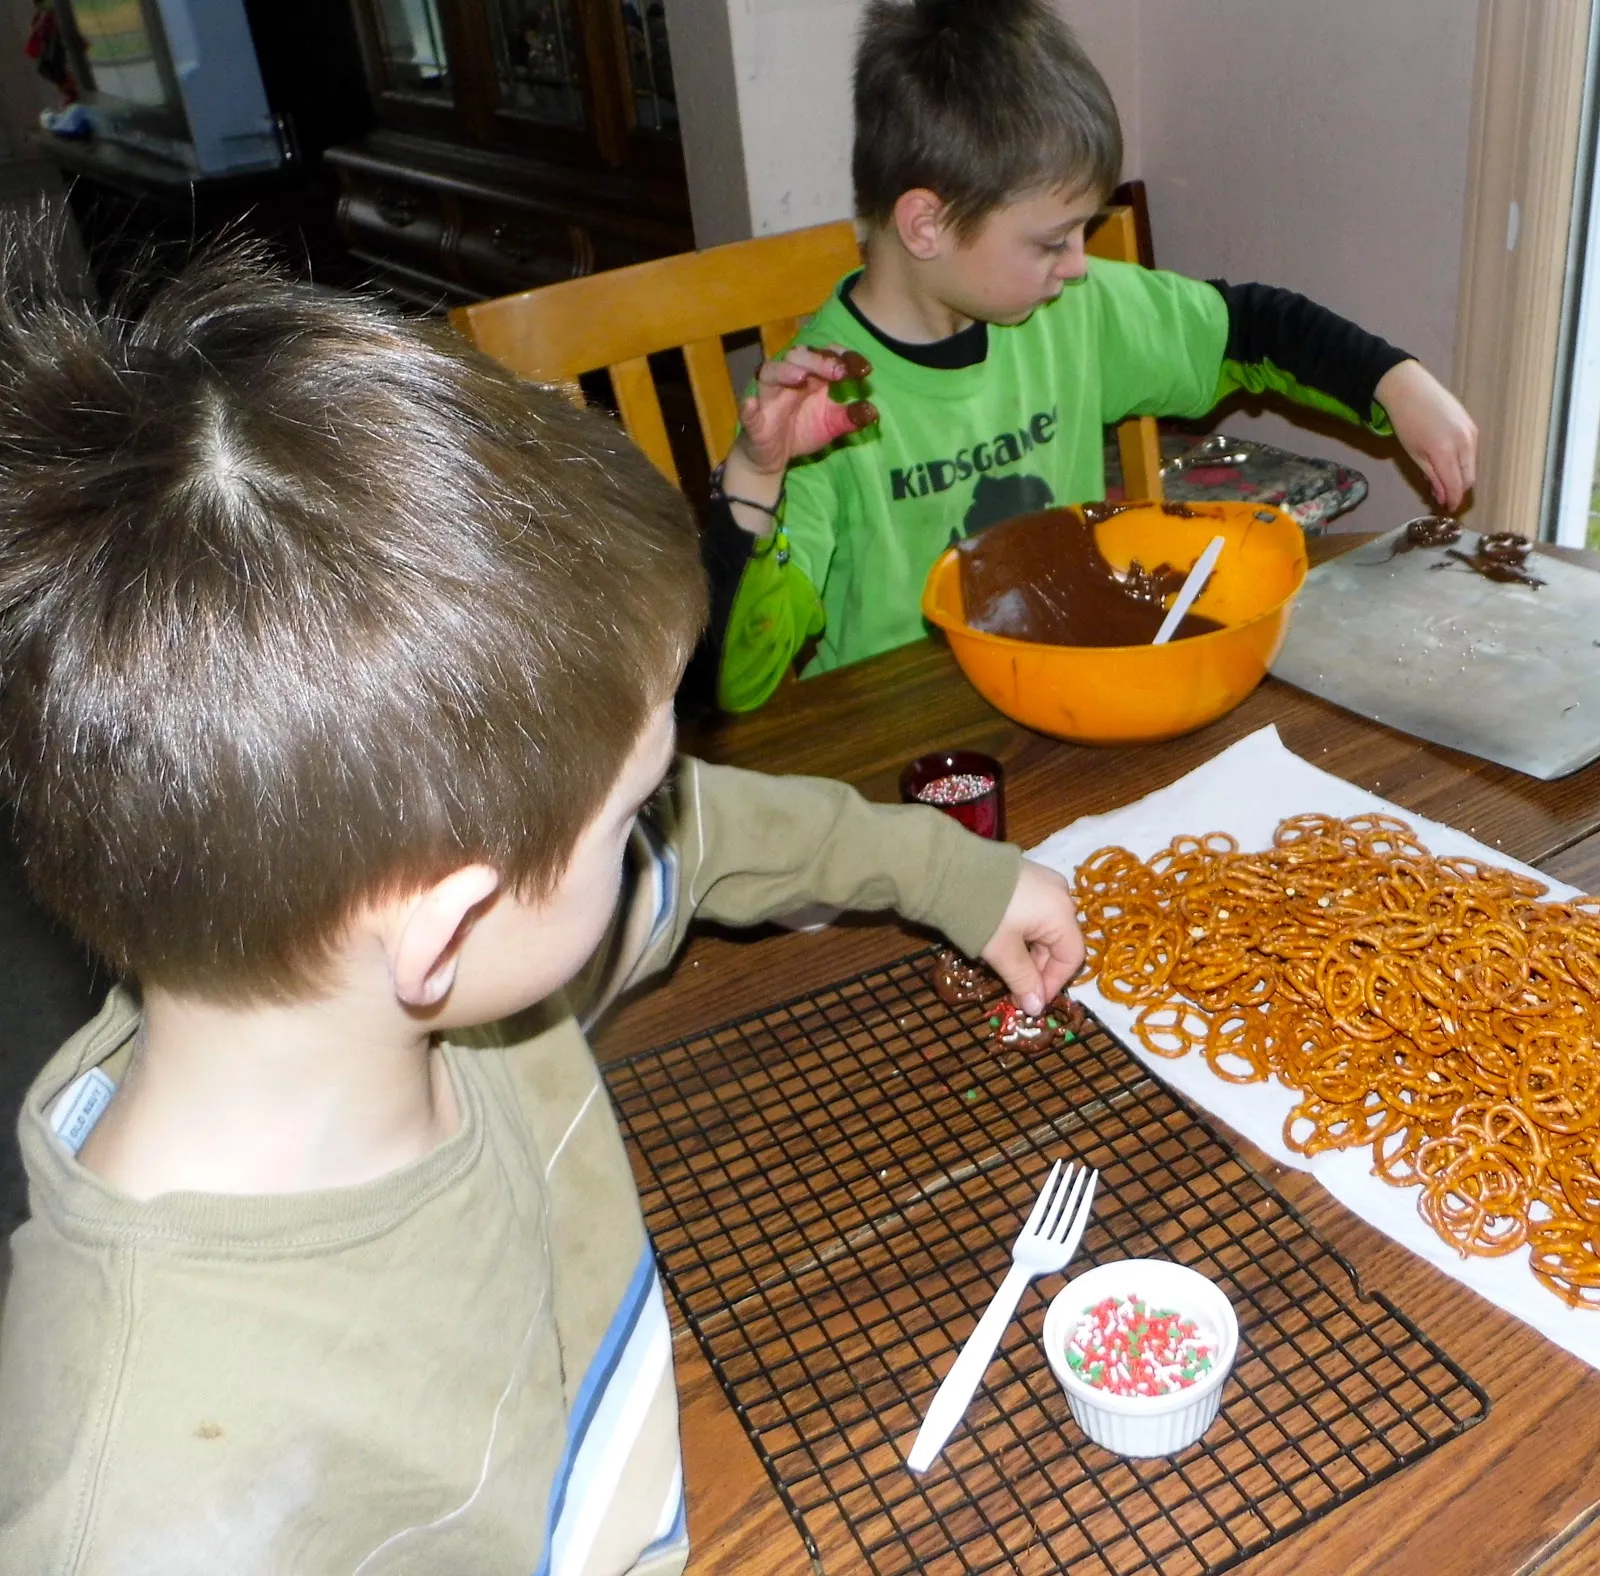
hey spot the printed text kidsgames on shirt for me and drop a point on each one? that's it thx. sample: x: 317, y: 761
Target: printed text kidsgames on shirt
x: 934, y: 476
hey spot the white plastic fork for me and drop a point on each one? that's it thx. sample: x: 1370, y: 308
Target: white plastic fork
x: 1047, y: 1241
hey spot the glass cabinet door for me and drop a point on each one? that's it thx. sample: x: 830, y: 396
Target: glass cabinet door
x: 649, y: 65
x: 514, y: 142
x: 411, y: 48
x: 538, y: 52
x: 576, y: 81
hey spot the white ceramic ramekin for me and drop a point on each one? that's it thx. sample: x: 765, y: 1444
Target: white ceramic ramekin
x: 1157, y: 1425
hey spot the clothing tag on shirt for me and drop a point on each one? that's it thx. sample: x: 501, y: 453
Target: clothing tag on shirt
x: 73, y: 1116
x: 661, y: 870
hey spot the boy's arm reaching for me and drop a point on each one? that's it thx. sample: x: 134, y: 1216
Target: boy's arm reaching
x: 1037, y: 947
x: 1434, y: 428
x: 741, y: 847
x: 743, y: 661
x: 1281, y: 341
x: 790, y: 413
x: 755, y: 847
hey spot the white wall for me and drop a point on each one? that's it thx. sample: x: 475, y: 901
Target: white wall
x: 1321, y: 146
x: 699, y: 33
x: 793, y: 59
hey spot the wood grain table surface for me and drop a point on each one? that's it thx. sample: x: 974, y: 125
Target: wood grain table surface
x: 1519, y: 1495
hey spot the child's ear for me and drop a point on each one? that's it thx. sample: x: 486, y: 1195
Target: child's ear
x: 425, y: 947
x: 919, y: 217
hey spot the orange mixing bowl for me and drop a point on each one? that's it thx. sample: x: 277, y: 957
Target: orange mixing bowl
x: 1129, y: 694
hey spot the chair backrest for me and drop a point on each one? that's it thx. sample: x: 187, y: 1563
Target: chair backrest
x: 618, y: 319
x: 1115, y: 236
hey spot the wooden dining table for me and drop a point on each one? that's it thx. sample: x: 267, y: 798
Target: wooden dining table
x: 1517, y: 1495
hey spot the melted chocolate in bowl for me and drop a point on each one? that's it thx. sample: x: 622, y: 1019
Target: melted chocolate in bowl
x: 1041, y: 577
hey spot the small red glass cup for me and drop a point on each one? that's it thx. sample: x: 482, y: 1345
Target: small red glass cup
x: 965, y: 784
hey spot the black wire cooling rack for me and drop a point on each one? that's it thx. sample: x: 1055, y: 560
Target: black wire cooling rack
x: 833, y: 1186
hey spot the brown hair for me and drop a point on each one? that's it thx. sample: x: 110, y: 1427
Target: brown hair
x: 302, y: 604
x: 978, y: 101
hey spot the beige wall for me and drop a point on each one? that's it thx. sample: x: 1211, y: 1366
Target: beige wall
x: 765, y: 90
x: 1322, y: 147
x: 1108, y: 32
x: 1317, y: 144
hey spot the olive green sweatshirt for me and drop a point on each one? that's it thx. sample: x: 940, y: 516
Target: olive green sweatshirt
x: 463, y: 1367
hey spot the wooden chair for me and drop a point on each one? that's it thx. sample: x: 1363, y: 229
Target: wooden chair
x: 1115, y: 236
x: 619, y: 318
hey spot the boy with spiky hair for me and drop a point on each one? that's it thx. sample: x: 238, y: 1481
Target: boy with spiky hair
x: 335, y: 682
x: 972, y: 366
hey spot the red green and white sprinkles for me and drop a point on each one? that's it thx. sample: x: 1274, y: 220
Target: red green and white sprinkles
x: 1124, y: 1347
x: 959, y: 788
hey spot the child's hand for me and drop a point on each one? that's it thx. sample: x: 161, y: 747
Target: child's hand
x: 1038, y: 946
x: 1435, y: 429
x: 792, y: 412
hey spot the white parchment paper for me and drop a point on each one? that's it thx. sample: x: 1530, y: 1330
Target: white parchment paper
x: 1246, y: 791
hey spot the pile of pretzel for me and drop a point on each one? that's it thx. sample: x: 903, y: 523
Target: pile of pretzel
x: 1431, y: 1008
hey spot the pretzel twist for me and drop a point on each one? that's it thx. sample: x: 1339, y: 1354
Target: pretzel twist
x: 1431, y: 1009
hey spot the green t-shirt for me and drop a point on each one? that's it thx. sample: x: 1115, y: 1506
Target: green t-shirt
x: 956, y: 450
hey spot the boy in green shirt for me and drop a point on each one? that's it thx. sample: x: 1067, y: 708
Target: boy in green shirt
x: 973, y: 364
x: 336, y: 669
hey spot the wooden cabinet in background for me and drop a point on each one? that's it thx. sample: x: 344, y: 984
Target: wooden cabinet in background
x: 518, y: 142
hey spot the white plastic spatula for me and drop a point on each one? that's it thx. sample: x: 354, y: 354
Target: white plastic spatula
x: 1189, y: 590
